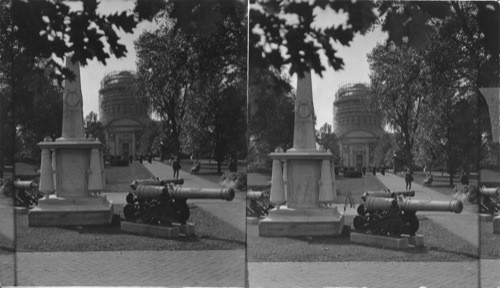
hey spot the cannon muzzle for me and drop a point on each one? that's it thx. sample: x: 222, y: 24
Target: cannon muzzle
x: 25, y: 184
x: 254, y: 195
x: 384, y: 194
x: 377, y: 203
x: 489, y: 192
x: 176, y: 192
x: 155, y: 182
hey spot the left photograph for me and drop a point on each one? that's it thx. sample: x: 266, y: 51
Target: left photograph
x: 123, y: 132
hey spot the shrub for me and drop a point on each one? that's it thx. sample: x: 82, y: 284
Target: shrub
x: 237, y: 181
x: 466, y: 193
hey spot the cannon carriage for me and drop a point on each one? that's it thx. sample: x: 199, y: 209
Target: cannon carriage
x: 489, y: 200
x: 164, y: 205
x: 394, y: 215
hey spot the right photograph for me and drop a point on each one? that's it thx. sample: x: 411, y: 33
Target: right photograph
x: 373, y: 144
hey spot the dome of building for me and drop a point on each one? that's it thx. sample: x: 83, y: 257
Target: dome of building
x: 357, y: 127
x: 121, y: 112
x: 117, y: 99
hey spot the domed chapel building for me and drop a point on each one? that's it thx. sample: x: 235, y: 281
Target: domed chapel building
x: 121, y: 113
x: 357, y: 128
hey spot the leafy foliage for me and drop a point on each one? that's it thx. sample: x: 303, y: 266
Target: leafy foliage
x: 285, y: 33
x: 270, y: 114
x: 330, y: 141
x: 195, y: 79
x: 49, y: 27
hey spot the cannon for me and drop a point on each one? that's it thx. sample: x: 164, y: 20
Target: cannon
x: 163, y: 205
x: 396, y: 216
x: 258, y: 203
x: 489, y: 200
x: 155, y: 182
x: 26, y: 193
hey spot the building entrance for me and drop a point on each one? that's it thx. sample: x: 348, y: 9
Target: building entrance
x: 359, y: 161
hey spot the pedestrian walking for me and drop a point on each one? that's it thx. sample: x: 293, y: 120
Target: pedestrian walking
x: 408, y: 180
x: 364, y: 170
x: 177, y: 166
x: 374, y: 171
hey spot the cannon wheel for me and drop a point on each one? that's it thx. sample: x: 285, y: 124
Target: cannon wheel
x: 361, y: 210
x: 411, y: 223
x: 395, y: 227
x: 182, y: 212
x: 129, y: 212
x: 359, y: 223
x: 375, y: 227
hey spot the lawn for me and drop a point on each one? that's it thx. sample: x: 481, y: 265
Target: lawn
x: 440, y: 245
x: 357, y: 186
x: 490, y: 243
x: 211, y: 234
x: 441, y: 182
x: 118, y: 178
x: 208, y: 169
x: 6, y: 245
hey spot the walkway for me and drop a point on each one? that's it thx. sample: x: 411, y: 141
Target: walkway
x: 6, y: 231
x: 145, y: 268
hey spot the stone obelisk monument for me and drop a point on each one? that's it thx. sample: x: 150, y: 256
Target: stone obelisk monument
x: 71, y: 173
x: 304, y: 178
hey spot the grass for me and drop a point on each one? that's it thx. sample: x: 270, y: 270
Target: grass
x: 440, y: 246
x: 211, y: 234
x: 441, y: 182
x: 208, y: 169
x: 6, y: 245
x: 490, y: 243
x: 357, y: 186
x: 118, y: 178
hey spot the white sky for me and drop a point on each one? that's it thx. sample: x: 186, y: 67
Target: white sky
x: 92, y: 74
x: 324, y: 89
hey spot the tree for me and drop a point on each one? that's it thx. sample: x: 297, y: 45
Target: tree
x: 282, y: 33
x: 192, y: 79
x: 397, y: 92
x: 270, y: 114
x: 330, y: 141
x: 383, y: 152
x: 95, y: 128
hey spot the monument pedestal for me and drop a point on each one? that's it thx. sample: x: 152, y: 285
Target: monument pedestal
x: 55, y: 211
x: 302, y: 222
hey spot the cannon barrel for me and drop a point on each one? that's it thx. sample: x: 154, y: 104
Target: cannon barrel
x: 149, y: 192
x: 155, y: 182
x: 28, y: 184
x: 384, y: 194
x: 376, y: 203
x: 202, y: 193
x: 254, y: 195
x: 489, y: 192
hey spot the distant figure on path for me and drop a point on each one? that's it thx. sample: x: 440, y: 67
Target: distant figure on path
x: 364, y: 170
x: 464, y: 179
x: 130, y: 158
x: 374, y: 171
x: 140, y: 159
x: 150, y: 158
x: 177, y: 166
x: 408, y: 179
x: 233, y: 166
x: 382, y: 170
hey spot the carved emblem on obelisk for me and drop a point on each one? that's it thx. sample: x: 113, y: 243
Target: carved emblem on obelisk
x: 303, y: 109
x: 72, y: 97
